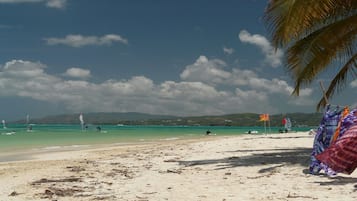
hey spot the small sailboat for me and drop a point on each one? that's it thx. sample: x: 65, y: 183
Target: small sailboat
x: 252, y: 132
x: 81, y: 120
x: 28, y: 125
x: 5, y: 128
x: 4, y: 124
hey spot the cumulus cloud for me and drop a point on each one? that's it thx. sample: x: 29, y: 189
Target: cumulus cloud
x: 207, y: 71
x: 212, y: 73
x: 48, y: 3
x: 224, y: 92
x: 77, y: 73
x: 23, y: 69
x: 79, y: 40
x: 272, y: 57
x: 228, y: 50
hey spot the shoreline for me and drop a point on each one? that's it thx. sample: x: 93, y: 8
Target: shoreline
x: 244, y: 167
x: 36, y: 153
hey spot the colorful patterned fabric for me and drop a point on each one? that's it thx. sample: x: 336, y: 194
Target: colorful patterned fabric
x: 345, y: 112
x: 342, y: 155
x: 323, y: 138
x: 348, y: 121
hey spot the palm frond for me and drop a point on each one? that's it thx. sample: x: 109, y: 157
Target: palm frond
x: 339, y: 80
x: 311, y: 55
x: 290, y: 20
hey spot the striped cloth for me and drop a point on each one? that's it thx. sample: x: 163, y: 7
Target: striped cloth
x: 341, y: 156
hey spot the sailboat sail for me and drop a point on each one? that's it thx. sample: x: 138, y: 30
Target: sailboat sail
x: 81, y: 120
x: 29, y: 126
x: 4, y: 124
x: 287, y: 125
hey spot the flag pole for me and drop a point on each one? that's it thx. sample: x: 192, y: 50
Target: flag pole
x: 265, y: 127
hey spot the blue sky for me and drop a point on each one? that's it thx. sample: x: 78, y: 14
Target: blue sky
x: 173, y: 57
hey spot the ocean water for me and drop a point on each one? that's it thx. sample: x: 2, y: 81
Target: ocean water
x: 59, y: 136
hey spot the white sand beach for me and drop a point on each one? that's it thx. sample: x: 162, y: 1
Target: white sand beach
x: 247, y: 167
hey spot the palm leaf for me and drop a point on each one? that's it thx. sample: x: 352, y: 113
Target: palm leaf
x: 290, y: 20
x: 339, y: 80
x: 311, y: 55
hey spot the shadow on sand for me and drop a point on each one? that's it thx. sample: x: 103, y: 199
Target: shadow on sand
x: 276, y: 158
x: 339, y: 180
x: 280, y: 157
x: 280, y: 137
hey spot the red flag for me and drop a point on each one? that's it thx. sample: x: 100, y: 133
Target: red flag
x: 267, y: 117
x: 283, y: 121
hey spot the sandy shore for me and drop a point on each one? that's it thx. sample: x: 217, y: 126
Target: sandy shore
x: 249, y: 167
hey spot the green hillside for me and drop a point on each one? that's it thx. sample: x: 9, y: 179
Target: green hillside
x: 132, y: 118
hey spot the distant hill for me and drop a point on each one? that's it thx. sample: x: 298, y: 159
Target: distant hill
x: 245, y: 119
x: 97, y: 118
x: 133, y: 118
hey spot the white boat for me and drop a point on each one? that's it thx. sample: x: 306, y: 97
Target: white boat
x: 9, y: 133
x: 252, y: 132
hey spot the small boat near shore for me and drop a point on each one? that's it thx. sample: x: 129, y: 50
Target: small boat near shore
x: 252, y: 132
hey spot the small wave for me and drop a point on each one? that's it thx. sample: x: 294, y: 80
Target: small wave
x: 52, y: 147
x: 171, y: 138
x: 8, y: 133
x: 78, y: 146
x: 63, y: 147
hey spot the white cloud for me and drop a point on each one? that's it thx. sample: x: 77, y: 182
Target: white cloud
x: 207, y: 71
x: 56, y: 3
x: 272, y: 57
x: 228, y: 50
x: 78, y: 73
x: 49, y: 3
x: 79, y: 40
x: 23, y: 69
x: 233, y: 91
x: 277, y: 86
x: 354, y: 83
x: 256, y: 89
x: 189, y: 90
x: 212, y: 72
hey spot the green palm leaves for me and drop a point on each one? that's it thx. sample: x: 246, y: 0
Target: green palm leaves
x: 316, y: 35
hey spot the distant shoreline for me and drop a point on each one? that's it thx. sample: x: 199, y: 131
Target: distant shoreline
x: 132, y: 118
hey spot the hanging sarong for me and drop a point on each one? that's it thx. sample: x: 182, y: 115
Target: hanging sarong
x: 323, y: 138
x: 341, y: 156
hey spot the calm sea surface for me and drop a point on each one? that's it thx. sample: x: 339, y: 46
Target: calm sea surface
x: 52, y: 136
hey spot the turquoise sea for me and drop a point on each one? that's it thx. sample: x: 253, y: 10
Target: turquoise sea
x: 16, y: 137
